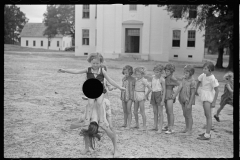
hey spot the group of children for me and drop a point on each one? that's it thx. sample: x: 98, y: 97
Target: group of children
x: 161, y: 85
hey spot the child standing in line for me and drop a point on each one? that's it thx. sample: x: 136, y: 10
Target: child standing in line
x: 158, y: 96
x: 139, y: 95
x: 208, y: 95
x: 187, y: 97
x: 97, y: 72
x: 127, y: 97
x: 170, y: 83
x: 227, y: 97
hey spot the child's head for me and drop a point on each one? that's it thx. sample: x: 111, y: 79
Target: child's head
x: 228, y: 76
x: 140, y: 72
x: 95, y: 59
x: 188, y: 71
x: 208, y: 67
x: 169, y: 69
x: 91, y: 132
x: 158, y: 69
x: 127, y: 70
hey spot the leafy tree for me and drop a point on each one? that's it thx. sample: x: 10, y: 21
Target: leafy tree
x: 14, y: 21
x: 60, y: 19
x: 216, y: 19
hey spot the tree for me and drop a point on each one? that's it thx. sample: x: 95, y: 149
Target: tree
x: 60, y: 19
x: 216, y: 19
x: 14, y: 21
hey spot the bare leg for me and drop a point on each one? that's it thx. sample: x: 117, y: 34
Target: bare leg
x: 100, y: 109
x: 129, y: 112
x: 160, y: 114
x: 184, y: 114
x: 168, y: 118
x: 189, y: 120
x: 124, y: 105
x: 87, y: 145
x: 142, y: 110
x: 170, y: 113
x: 89, y: 111
x: 155, y: 116
x: 219, y: 110
x: 136, y: 106
x: 207, y: 112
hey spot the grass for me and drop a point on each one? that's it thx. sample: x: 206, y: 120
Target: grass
x: 10, y: 47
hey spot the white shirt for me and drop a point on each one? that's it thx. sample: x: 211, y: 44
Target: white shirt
x: 156, y: 84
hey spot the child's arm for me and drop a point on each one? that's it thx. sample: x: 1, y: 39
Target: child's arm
x: 178, y: 90
x: 164, y: 92
x: 149, y: 90
x: 191, y: 98
x: 229, y: 88
x: 215, y: 96
x: 198, y: 84
x: 112, y: 82
x: 73, y: 71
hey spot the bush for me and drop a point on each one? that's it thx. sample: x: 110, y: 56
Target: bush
x: 70, y: 48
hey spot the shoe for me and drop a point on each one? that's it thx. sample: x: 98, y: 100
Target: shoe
x: 165, y: 128
x: 169, y: 131
x: 217, y: 118
x: 204, y: 138
x: 201, y: 134
x: 84, y: 98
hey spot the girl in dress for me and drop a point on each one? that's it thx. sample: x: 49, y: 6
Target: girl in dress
x: 208, y: 95
x: 158, y: 96
x: 227, y: 97
x: 127, y: 97
x: 140, y: 96
x: 170, y: 83
x: 187, y: 97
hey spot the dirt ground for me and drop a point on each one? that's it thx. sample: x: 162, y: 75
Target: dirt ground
x: 40, y: 104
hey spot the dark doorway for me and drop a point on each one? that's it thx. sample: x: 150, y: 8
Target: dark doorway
x: 132, y: 38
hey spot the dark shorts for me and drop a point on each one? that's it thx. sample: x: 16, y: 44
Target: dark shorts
x: 156, y: 98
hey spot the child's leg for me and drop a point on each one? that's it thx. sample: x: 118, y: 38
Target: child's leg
x: 207, y: 112
x: 219, y: 110
x: 136, y: 106
x: 124, y: 105
x: 168, y: 118
x: 87, y: 145
x: 185, y: 118
x: 170, y: 113
x: 89, y: 111
x: 160, y: 113
x: 142, y: 111
x: 189, y: 119
x: 155, y: 115
x: 129, y: 112
x: 100, y: 110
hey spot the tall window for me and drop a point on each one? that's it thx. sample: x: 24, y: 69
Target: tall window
x: 85, y: 37
x: 41, y: 43
x: 176, y: 38
x: 85, y: 11
x: 57, y: 43
x: 132, y: 7
x: 34, y: 43
x: 49, y: 43
x: 177, y: 14
x: 193, y: 12
x: 26, y: 42
x: 191, y: 38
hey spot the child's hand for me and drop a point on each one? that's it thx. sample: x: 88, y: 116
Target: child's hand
x: 122, y: 89
x: 162, y: 103
x: 174, y: 96
x: 146, y: 97
x: 61, y: 71
x: 196, y: 94
x: 213, y: 104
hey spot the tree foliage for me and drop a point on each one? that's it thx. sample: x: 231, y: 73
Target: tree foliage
x: 60, y: 19
x: 14, y: 21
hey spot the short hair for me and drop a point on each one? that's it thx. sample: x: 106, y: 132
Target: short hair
x: 95, y: 56
x: 159, y: 68
x: 209, y: 65
x: 141, y: 69
x: 170, y: 67
x: 129, y: 68
x: 189, y: 68
x: 105, y: 67
x: 228, y: 75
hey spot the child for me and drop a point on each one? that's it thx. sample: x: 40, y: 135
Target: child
x: 92, y: 131
x: 187, y: 97
x: 170, y: 83
x: 208, y: 95
x: 127, y: 97
x: 97, y: 72
x: 158, y: 96
x: 139, y: 95
x: 227, y: 97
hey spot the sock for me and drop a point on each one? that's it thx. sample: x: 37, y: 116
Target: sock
x: 207, y: 135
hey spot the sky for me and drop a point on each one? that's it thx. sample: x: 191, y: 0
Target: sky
x: 33, y: 12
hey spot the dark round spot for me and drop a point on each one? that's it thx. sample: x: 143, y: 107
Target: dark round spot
x: 92, y: 88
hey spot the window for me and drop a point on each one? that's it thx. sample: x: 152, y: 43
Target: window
x: 57, y: 43
x: 34, y: 43
x: 177, y: 14
x: 132, y: 7
x: 26, y: 42
x: 85, y: 11
x: 176, y: 38
x: 85, y: 37
x: 193, y: 12
x: 41, y: 43
x: 191, y: 38
x: 49, y: 43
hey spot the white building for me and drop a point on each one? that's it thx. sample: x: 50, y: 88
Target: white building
x: 136, y: 30
x: 32, y: 36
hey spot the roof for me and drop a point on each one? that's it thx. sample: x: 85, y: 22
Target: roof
x: 35, y: 30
